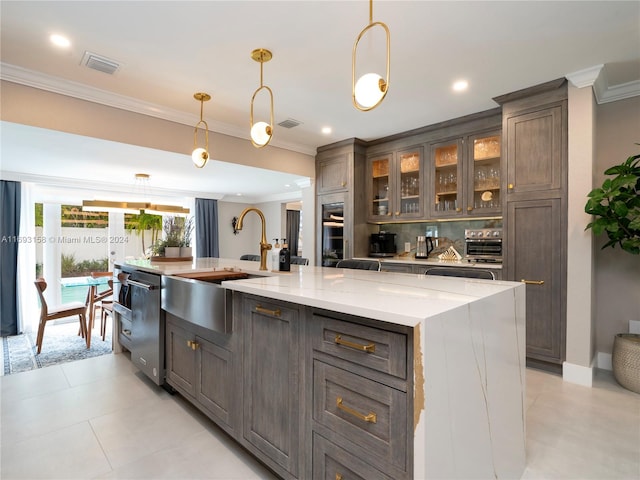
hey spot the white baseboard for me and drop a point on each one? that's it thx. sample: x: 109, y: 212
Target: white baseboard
x: 604, y: 361
x: 577, y: 374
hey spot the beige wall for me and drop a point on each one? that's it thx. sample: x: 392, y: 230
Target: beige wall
x: 580, y: 343
x: 39, y: 108
x: 617, y: 273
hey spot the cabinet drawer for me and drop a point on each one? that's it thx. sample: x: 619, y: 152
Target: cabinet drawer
x: 370, y: 347
x: 331, y: 462
x: 372, y: 417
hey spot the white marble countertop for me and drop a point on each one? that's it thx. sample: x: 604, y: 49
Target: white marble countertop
x: 400, y: 298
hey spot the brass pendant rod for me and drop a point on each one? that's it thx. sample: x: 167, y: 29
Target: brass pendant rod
x: 370, y: 12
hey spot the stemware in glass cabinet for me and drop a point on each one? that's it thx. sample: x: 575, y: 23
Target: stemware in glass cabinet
x: 380, y: 187
x: 410, y: 198
x: 486, y: 173
x: 446, y: 178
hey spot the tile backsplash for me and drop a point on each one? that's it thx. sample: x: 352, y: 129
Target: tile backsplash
x: 445, y: 234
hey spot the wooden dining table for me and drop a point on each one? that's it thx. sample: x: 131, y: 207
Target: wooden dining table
x: 93, y: 282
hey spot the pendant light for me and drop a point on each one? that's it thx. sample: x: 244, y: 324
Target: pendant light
x: 201, y: 155
x: 261, y: 132
x: 371, y: 88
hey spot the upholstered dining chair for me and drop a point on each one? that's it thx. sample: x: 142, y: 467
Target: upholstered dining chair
x: 58, y: 311
x: 295, y: 260
x: 359, y: 264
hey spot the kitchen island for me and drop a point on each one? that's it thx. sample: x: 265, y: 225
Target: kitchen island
x: 436, y: 362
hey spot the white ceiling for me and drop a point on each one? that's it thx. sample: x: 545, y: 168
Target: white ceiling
x: 167, y: 50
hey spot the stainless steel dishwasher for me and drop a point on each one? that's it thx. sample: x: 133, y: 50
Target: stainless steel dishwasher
x: 147, y: 325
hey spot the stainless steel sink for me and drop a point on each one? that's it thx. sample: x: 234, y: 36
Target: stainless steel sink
x: 201, y: 302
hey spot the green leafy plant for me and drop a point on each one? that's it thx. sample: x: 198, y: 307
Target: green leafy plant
x: 616, y: 206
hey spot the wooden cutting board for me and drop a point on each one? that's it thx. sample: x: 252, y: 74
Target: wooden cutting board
x: 217, y: 275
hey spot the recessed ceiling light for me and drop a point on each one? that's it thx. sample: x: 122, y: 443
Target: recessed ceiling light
x: 60, y: 40
x: 460, y: 85
x: 238, y: 194
x: 326, y: 130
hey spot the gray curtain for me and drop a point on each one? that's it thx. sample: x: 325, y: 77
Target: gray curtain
x: 207, y: 228
x: 293, y: 230
x: 9, y: 233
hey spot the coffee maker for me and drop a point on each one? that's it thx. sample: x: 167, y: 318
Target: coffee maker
x: 382, y: 244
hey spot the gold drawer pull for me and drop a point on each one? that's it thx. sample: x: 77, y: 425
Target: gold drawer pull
x: 193, y: 345
x: 371, y: 348
x: 275, y: 313
x: 371, y: 417
x: 532, y: 282
x: 338, y: 476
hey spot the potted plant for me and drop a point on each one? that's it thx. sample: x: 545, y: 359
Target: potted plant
x: 616, y: 210
x: 616, y: 206
x: 185, y: 244
x: 173, y: 237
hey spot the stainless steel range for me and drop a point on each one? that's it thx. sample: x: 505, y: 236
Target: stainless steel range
x: 483, y: 245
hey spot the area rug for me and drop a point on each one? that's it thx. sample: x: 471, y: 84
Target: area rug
x: 61, y: 344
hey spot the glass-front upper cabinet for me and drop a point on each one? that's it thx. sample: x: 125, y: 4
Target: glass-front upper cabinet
x: 410, y: 199
x: 395, y: 186
x: 446, y: 190
x: 379, y: 174
x: 483, y: 177
x: 465, y: 179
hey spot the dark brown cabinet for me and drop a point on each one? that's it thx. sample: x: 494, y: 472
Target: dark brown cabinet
x: 535, y: 224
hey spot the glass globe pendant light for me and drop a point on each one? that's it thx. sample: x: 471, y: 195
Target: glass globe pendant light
x: 200, y: 155
x: 261, y: 132
x: 370, y: 89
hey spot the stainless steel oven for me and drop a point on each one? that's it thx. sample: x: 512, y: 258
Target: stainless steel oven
x: 483, y: 245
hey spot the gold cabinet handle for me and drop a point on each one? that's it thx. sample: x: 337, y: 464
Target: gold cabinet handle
x: 370, y: 417
x: 275, y: 313
x: 532, y: 282
x: 338, y: 476
x: 397, y: 214
x: 510, y: 186
x: 458, y: 209
x: 371, y: 348
x: 469, y: 209
x: 193, y: 345
x: 343, y: 184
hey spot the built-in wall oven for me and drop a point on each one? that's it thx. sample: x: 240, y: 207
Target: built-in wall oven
x: 483, y: 245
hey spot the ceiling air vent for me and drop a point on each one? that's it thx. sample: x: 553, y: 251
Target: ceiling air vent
x: 100, y: 63
x: 289, y: 123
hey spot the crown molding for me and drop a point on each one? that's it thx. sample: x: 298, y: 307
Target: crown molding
x: 596, y: 77
x: 586, y: 77
x: 61, y: 86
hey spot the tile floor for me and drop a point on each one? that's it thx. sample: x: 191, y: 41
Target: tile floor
x: 100, y: 418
